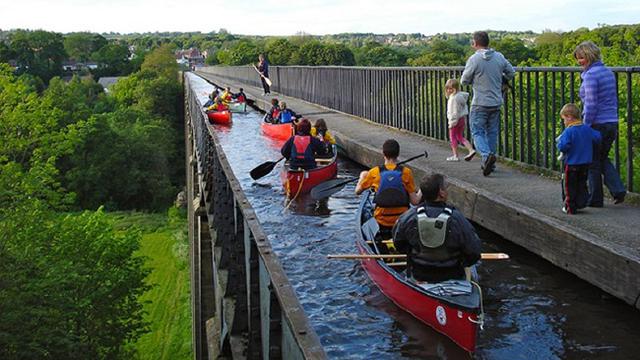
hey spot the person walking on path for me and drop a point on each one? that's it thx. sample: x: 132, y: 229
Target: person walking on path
x: 485, y: 71
x: 457, y: 111
x: 600, y: 111
x: 263, y: 69
x: 577, y: 143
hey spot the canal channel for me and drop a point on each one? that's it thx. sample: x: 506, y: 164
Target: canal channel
x: 534, y: 310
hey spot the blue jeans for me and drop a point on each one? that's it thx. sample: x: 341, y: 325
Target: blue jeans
x: 485, y: 125
x: 602, y: 166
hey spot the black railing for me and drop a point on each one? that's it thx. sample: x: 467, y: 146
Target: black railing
x: 412, y: 98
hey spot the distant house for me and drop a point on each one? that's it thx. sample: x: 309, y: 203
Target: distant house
x: 191, y: 57
x: 73, y: 66
x: 108, y: 81
x: 70, y: 65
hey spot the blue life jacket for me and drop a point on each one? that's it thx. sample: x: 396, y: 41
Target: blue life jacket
x: 391, y: 191
x: 285, y: 116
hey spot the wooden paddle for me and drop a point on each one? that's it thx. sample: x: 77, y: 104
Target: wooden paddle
x: 483, y: 256
x: 331, y: 187
x: 266, y: 79
x: 263, y: 169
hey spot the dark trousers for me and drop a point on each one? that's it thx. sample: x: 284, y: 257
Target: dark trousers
x: 265, y: 86
x: 574, y: 187
x: 601, y: 167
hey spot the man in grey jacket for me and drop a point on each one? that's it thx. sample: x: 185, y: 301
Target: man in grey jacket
x: 485, y: 71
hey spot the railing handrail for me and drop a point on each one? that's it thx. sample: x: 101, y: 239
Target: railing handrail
x: 412, y: 98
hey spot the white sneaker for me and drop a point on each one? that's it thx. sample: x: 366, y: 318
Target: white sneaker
x: 453, y: 158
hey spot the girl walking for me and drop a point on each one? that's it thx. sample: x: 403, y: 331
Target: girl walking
x: 457, y: 111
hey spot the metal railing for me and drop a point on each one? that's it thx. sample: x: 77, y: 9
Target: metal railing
x: 243, y: 305
x: 412, y: 98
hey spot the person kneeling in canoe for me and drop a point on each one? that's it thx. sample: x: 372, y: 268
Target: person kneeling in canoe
x: 301, y: 150
x: 438, y: 240
x: 320, y: 131
x: 285, y: 115
x: 218, y: 105
x: 272, y: 115
x: 393, y: 186
x: 240, y: 96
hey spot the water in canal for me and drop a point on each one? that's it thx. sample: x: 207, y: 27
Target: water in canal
x: 534, y: 310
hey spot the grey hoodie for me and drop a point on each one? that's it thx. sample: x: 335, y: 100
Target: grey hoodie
x: 485, y: 70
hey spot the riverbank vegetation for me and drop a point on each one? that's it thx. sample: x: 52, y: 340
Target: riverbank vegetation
x: 73, y: 285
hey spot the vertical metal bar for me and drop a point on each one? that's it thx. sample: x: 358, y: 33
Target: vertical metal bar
x: 554, y: 164
x: 521, y: 122
x: 572, y: 78
x: 629, y: 133
x: 616, y: 144
x: 513, y: 119
x: 545, y: 159
x: 529, y: 141
x: 537, y: 117
x: 504, y: 144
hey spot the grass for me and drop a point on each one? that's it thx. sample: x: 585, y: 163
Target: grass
x: 165, y: 244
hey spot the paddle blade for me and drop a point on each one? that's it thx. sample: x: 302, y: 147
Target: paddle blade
x: 266, y: 79
x: 328, y: 188
x: 262, y: 169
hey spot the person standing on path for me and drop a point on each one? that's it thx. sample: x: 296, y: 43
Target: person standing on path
x: 600, y: 111
x: 263, y: 69
x: 457, y: 112
x: 485, y: 71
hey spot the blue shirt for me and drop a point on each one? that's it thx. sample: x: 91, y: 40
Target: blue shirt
x: 599, y: 95
x: 577, y: 142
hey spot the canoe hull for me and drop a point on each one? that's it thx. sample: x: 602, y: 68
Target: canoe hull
x: 459, y: 323
x: 220, y: 117
x: 238, y: 107
x: 297, y: 182
x: 277, y: 131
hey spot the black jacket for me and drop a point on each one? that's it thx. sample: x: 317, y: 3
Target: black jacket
x: 461, y: 242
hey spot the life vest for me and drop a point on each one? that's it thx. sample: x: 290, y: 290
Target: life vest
x: 301, y: 150
x: 241, y: 98
x: 285, y: 116
x: 433, y: 232
x: 391, y: 192
x: 275, y: 112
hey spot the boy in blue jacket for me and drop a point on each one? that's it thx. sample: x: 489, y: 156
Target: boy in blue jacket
x: 577, y: 142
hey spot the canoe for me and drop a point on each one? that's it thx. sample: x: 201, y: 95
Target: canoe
x: 296, y: 182
x: 220, y: 117
x: 238, y: 106
x: 458, y: 317
x: 277, y: 131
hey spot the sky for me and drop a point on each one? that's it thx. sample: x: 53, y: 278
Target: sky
x: 288, y: 17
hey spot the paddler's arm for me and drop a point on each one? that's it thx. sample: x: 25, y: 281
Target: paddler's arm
x: 360, y: 187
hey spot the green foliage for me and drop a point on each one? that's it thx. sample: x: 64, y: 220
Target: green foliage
x: 441, y: 53
x: 113, y: 60
x: 70, y: 285
x: 515, y: 50
x: 39, y: 53
x: 80, y: 46
x: 316, y: 53
x: 280, y: 50
x: 376, y: 54
x: 161, y: 62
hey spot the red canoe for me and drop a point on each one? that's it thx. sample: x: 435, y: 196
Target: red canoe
x: 298, y: 182
x: 457, y: 317
x: 220, y: 117
x: 277, y: 131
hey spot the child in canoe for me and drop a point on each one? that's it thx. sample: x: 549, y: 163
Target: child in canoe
x: 320, y: 131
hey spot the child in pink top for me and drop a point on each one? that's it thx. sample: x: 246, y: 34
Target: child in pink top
x: 457, y: 111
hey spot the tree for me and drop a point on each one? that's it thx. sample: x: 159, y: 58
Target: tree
x: 162, y: 62
x: 80, y: 46
x: 112, y: 59
x: 39, y: 53
x: 280, y: 51
x: 441, y: 53
x: 515, y: 51
x: 376, y: 54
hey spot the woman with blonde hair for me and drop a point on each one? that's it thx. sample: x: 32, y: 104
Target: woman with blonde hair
x: 598, y: 92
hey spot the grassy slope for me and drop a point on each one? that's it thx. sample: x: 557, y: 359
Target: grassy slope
x: 164, y: 243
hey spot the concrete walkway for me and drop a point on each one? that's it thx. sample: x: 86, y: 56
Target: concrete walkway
x: 600, y: 245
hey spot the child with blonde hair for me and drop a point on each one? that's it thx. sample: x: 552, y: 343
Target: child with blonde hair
x: 457, y: 111
x: 577, y: 142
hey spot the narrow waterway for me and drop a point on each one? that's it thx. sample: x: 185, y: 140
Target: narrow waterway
x: 534, y: 310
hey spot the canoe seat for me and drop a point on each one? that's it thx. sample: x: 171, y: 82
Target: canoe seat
x: 324, y: 161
